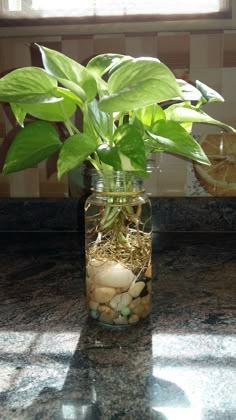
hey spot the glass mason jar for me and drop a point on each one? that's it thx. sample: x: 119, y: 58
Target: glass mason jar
x: 118, y: 228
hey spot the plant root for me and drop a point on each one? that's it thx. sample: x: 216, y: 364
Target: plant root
x: 131, y: 249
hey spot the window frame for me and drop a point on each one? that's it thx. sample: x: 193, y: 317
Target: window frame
x: 19, y: 21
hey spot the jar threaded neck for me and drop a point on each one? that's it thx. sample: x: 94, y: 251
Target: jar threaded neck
x: 116, y: 182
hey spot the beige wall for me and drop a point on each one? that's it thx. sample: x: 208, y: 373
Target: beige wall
x: 207, y: 56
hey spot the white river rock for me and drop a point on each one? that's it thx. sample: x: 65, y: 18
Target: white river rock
x: 110, y: 274
x: 103, y: 294
x: 120, y: 301
x: 136, y: 289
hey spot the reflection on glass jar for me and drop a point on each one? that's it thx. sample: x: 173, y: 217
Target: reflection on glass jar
x: 118, y: 249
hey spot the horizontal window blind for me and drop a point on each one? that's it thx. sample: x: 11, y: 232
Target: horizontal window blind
x: 105, y: 8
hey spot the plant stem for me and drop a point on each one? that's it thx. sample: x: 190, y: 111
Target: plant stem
x: 111, y: 122
x: 69, y: 128
x: 68, y: 123
x: 121, y: 119
x: 131, y: 121
x: 95, y: 164
x: 89, y: 123
x: 76, y: 130
x: 153, y: 115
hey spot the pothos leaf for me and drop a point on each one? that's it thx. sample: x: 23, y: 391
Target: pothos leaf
x: 103, y: 62
x: 208, y: 93
x: 109, y: 155
x: 65, y: 69
x: 130, y: 147
x: 99, y: 119
x: 190, y: 92
x: 28, y: 85
x: 32, y: 144
x: 74, y: 151
x: 150, y: 114
x: 138, y: 83
x: 56, y: 111
x: 173, y: 138
x: 19, y: 113
x: 184, y: 113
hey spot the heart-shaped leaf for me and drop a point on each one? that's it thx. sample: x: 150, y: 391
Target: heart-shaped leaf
x: 103, y: 62
x: 74, y: 151
x: 189, y: 92
x: 28, y: 85
x: 184, y: 113
x: 138, y: 83
x: 19, y: 113
x: 67, y: 93
x: 130, y: 147
x: 119, y: 64
x: 150, y: 114
x: 57, y: 111
x: 99, y: 120
x: 109, y: 155
x: 75, y: 89
x: 64, y: 68
x: 208, y: 93
x: 173, y: 138
x: 32, y: 144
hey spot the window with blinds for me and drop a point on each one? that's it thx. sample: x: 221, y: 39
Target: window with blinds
x: 116, y: 9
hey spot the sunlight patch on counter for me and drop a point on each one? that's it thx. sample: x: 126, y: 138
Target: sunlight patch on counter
x: 193, y: 372
x: 34, y: 361
x: 192, y: 346
x: 179, y: 413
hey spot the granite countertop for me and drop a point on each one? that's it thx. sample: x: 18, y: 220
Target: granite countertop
x: 177, y: 365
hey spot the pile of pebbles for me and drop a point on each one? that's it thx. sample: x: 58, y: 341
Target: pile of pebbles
x: 115, y: 295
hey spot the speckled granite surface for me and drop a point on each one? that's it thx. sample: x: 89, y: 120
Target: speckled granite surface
x: 169, y: 214
x: 177, y: 365
x: 36, y: 214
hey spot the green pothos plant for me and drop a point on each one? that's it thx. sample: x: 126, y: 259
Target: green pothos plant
x: 131, y: 107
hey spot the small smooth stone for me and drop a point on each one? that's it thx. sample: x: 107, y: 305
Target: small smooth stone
x: 124, y: 289
x: 135, y: 302
x: 108, y: 317
x: 93, y: 266
x: 125, y: 311
x: 120, y: 301
x: 138, y: 310
x: 94, y: 314
x: 146, y: 299
x: 113, y: 274
x: 93, y: 305
x: 148, y: 272
x: 146, y: 311
x: 103, y: 308
x: 121, y: 320
x: 136, y: 289
x: 133, y: 319
x: 149, y: 286
x: 103, y: 294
